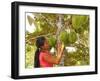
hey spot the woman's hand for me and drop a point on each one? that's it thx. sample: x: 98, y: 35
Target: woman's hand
x: 60, y: 47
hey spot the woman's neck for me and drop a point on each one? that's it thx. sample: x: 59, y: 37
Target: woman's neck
x: 44, y: 50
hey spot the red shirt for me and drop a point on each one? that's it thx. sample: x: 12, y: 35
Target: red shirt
x: 43, y: 62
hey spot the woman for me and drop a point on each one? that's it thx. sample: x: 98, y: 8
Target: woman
x: 43, y: 58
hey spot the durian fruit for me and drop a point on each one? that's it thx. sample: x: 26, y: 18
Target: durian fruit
x: 64, y: 37
x: 80, y: 23
x: 68, y: 37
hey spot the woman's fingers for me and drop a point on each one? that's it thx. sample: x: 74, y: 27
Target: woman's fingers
x: 62, y: 47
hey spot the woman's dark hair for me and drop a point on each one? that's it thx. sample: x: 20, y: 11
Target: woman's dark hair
x: 39, y: 42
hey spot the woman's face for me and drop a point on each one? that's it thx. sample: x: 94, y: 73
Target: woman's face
x: 46, y: 45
